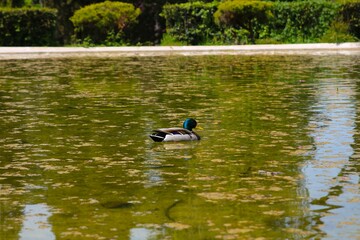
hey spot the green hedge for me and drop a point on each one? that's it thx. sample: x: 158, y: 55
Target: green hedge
x: 27, y: 27
x: 304, y: 21
x: 244, y: 21
x: 350, y: 13
x: 246, y: 15
x: 191, y: 22
x: 104, y: 22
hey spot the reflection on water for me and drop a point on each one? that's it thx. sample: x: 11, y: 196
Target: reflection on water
x: 143, y: 233
x: 333, y: 126
x: 278, y: 157
x: 36, y: 225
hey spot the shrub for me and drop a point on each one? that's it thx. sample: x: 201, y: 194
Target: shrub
x: 337, y: 33
x: 190, y: 22
x: 27, y: 27
x: 168, y: 40
x: 106, y: 21
x: 17, y: 3
x: 350, y: 13
x: 303, y: 21
x: 255, y: 21
x: 246, y: 15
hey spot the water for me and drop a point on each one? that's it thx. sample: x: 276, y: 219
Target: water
x: 278, y: 157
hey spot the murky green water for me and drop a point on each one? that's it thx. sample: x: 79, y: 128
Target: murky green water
x: 278, y: 159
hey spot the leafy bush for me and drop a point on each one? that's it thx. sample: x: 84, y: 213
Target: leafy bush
x: 337, y: 33
x: 27, y: 27
x: 190, y: 22
x: 255, y: 21
x: 249, y: 15
x: 106, y: 21
x: 351, y: 15
x: 303, y: 21
x: 168, y: 40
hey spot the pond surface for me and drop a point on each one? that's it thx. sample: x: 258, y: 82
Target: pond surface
x: 278, y: 159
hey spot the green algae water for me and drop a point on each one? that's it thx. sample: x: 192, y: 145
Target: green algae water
x: 278, y: 159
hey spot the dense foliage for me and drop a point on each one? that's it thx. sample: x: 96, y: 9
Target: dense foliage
x: 104, y: 21
x: 350, y: 13
x: 182, y: 21
x: 27, y: 27
x: 191, y: 22
x: 150, y: 25
x: 12, y: 3
x: 246, y: 15
x: 303, y: 21
x: 244, y: 21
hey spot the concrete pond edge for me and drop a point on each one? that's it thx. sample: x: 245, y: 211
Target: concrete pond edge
x: 271, y: 49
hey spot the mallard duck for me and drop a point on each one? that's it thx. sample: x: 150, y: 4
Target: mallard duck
x: 176, y: 134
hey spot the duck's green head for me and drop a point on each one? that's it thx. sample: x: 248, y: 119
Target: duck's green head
x: 189, y: 124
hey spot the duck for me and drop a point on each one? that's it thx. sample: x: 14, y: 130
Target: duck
x: 176, y: 134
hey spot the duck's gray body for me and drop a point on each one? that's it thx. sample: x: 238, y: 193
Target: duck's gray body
x: 173, y: 135
x: 176, y: 134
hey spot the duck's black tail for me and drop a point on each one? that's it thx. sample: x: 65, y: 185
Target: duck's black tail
x: 158, y: 136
